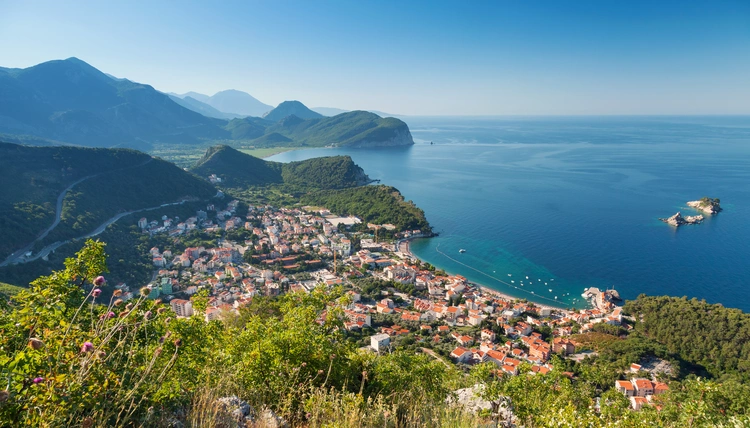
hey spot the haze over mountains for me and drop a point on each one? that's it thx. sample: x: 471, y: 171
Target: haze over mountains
x: 71, y: 102
x: 231, y: 102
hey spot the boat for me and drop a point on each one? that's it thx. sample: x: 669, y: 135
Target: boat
x: 550, y: 290
x: 461, y: 250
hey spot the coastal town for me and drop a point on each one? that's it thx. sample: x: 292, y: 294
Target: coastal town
x: 393, y: 298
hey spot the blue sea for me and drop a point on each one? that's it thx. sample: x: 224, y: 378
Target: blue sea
x: 575, y: 202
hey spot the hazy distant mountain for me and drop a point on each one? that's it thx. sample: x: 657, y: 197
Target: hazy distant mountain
x: 202, y: 108
x: 291, y: 108
x: 233, y: 102
x: 73, y: 102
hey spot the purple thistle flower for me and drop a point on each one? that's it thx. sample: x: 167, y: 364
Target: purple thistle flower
x: 111, y: 314
x: 87, y: 347
x: 38, y: 379
x: 99, y: 281
x: 96, y: 293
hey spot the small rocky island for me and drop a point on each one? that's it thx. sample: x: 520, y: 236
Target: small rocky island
x: 678, y: 220
x: 707, y: 205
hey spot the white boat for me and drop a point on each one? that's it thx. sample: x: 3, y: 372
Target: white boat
x: 550, y: 290
x: 461, y: 250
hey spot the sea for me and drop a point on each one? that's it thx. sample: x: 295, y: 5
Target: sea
x: 545, y: 207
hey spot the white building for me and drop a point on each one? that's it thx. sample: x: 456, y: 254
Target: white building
x: 380, y: 341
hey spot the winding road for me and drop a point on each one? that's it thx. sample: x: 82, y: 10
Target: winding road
x: 17, y: 256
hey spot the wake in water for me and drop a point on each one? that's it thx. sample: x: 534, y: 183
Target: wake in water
x: 536, y: 296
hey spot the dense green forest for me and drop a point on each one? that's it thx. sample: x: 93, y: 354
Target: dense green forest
x: 352, y: 129
x: 711, y: 336
x: 33, y: 177
x: 374, y: 204
x: 240, y: 170
x: 94, y: 201
x: 137, y: 364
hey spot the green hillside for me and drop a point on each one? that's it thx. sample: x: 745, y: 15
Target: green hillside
x: 108, y: 181
x: 7, y: 290
x: 240, y: 170
x: 374, y: 204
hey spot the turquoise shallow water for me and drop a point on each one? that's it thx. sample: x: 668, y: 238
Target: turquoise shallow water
x: 575, y: 202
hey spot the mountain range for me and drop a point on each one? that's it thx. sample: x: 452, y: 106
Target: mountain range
x: 230, y: 102
x: 70, y: 102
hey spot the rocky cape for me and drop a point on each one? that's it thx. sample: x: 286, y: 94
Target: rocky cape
x: 678, y: 220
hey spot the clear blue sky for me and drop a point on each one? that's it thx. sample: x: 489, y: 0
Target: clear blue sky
x: 410, y: 57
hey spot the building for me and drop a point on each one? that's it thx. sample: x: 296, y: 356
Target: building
x: 625, y: 387
x: 380, y: 341
x: 183, y: 308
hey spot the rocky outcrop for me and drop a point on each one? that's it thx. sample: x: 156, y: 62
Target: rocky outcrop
x: 678, y: 220
x: 707, y: 205
x: 233, y: 410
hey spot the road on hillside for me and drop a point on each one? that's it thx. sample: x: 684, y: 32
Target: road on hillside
x: 44, y: 252
x: 58, y: 213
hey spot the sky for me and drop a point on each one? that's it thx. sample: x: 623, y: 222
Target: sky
x: 410, y: 57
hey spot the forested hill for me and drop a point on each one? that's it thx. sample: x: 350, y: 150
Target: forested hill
x: 352, y: 129
x: 107, y: 182
x: 712, y: 336
x: 374, y: 204
x: 238, y: 170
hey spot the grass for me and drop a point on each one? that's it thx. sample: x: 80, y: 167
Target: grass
x: 8, y: 289
x: 265, y: 152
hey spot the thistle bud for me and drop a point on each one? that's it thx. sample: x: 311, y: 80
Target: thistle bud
x: 35, y: 343
x: 96, y: 292
x: 99, y: 281
x: 117, y: 293
x: 118, y: 302
x: 145, y: 291
x: 4, y: 396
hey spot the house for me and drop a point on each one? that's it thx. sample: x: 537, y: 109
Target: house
x: 637, y: 402
x: 465, y: 340
x: 462, y: 355
x: 643, y: 387
x: 380, y: 341
x: 625, y: 387
x: 488, y: 335
x: 635, y: 368
x: 564, y: 346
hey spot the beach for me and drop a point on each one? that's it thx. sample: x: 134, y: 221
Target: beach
x: 403, y: 247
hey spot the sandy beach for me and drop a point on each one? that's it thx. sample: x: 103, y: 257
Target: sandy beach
x: 403, y: 247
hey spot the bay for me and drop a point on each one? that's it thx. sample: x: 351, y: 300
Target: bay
x: 574, y: 202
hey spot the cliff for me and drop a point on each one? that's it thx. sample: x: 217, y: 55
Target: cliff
x: 678, y: 220
x: 707, y: 205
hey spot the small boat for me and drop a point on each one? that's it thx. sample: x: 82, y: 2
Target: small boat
x: 545, y: 283
x: 512, y: 282
x: 510, y: 275
x: 555, y: 297
x: 550, y: 290
x: 461, y: 250
x: 527, y: 277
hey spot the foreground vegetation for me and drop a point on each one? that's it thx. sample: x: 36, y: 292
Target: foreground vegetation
x: 69, y: 357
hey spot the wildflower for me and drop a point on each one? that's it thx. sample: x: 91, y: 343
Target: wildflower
x: 178, y: 343
x: 129, y: 307
x: 157, y: 302
x: 101, y: 355
x: 157, y: 352
x: 99, y: 281
x: 364, y: 374
x: 123, y: 314
x: 162, y: 339
x: 87, y: 422
x: 4, y: 396
x: 117, y: 293
x: 145, y: 291
x: 168, y: 320
x: 161, y: 310
x: 304, y: 364
x: 38, y: 380
x: 320, y: 371
x: 110, y: 314
x: 147, y: 315
x: 96, y: 293
x: 333, y: 356
x: 308, y: 415
x: 36, y: 343
x: 118, y: 302
x: 87, y: 347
